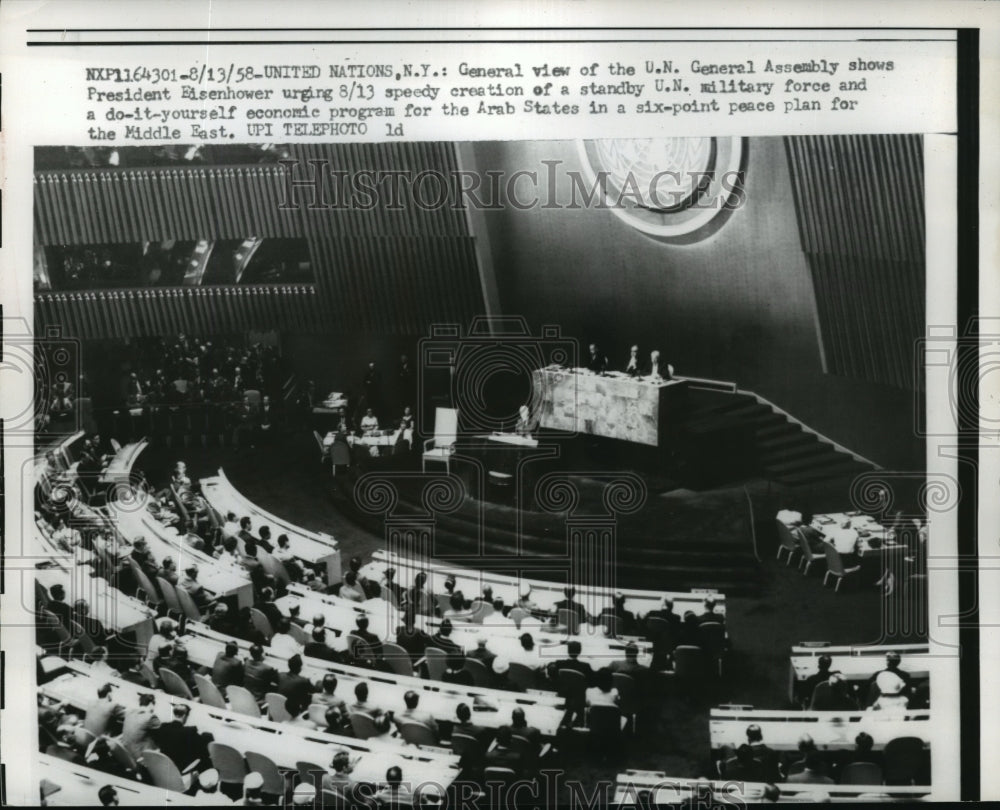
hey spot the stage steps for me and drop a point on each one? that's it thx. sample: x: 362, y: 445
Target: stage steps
x: 787, y: 453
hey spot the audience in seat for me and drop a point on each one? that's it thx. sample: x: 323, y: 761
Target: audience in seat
x: 372, y: 644
x: 892, y: 666
x: 318, y: 648
x: 395, y: 794
x: 259, y: 676
x: 349, y: 588
x: 104, y: 715
x: 813, y: 771
x: 766, y: 756
x: 296, y: 689
x: 442, y: 640
x: 283, y: 643
x: 603, y: 692
x: 481, y: 653
x: 413, y: 714
x: 808, y: 686
x: 227, y: 669
x: 501, y: 676
x: 501, y: 755
x: 139, y: 727
x: 340, y: 779
x: 412, y: 639
x: 456, y: 673
x: 182, y: 743
x: 569, y: 603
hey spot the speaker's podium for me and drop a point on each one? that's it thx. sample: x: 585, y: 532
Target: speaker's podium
x: 641, y: 410
x: 502, y: 456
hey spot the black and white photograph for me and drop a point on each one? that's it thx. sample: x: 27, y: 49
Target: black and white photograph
x: 537, y: 471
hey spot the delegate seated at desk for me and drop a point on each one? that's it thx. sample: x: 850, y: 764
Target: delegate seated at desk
x: 369, y: 422
x: 632, y: 366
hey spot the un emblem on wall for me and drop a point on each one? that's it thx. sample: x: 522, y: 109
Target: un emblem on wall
x: 675, y: 189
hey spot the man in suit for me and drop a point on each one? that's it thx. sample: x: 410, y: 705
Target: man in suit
x: 57, y: 605
x: 568, y: 603
x: 502, y: 755
x: 629, y: 665
x: 318, y: 648
x: 227, y: 669
x: 767, y: 757
x: 625, y: 619
x: 220, y: 620
x: 259, y: 676
x: 743, y: 767
x: 412, y: 639
x: 296, y: 688
x: 596, y: 361
x: 390, y: 584
x: 632, y: 364
x: 373, y: 642
x: 138, y: 727
x: 711, y: 614
x: 246, y: 530
x: 182, y: 743
x: 480, y: 734
x: 191, y: 584
x: 481, y: 653
x: 442, y: 639
x: 822, y: 675
x: 361, y: 704
x: 264, y: 539
x: 104, y: 715
x: 412, y: 714
x: 656, y: 369
x: 520, y: 728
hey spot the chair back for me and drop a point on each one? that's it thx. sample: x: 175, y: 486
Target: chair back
x: 121, y: 755
x: 334, y: 799
x: 208, y: 692
x: 169, y: 595
x: 228, y: 762
x: 861, y: 773
x: 437, y: 662
x: 340, y: 453
x: 660, y: 631
x: 274, y: 781
x: 77, y: 632
x: 712, y: 638
x: 319, y: 443
x: 480, y: 674
x: 152, y: 595
x: 902, y: 760
x: 397, y: 658
x: 163, y: 771
x: 445, y: 426
x: 604, y: 722
x: 804, y: 547
x: 785, y: 536
x: 572, y: 683
x: 363, y: 725
x: 494, y: 775
x: 525, y: 748
x: 174, y: 684
x: 147, y: 672
x: 416, y: 734
x: 274, y: 567
x: 480, y: 610
x: 628, y: 692
x: 689, y: 662
x: 261, y: 623
x: 297, y: 632
x: 242, y: 701
x: 463, y: 744
x: 522, y: 676
x: 317, y: 714
x: 834, y: 562
x: 569, y: 619
x: 276, y: 710
x: 518, y: 615
x: 188, y: 607
x: 357, y: 647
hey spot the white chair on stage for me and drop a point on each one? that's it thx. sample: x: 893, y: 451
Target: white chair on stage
x: 441, y: 447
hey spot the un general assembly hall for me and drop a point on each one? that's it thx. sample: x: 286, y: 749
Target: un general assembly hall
x: 481, y: 474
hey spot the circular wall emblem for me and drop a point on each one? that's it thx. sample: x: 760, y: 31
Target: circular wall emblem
x: 670, y: 188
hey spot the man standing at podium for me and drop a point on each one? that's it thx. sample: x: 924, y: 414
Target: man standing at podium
x: 596, y: 361
x: 525, y: 422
